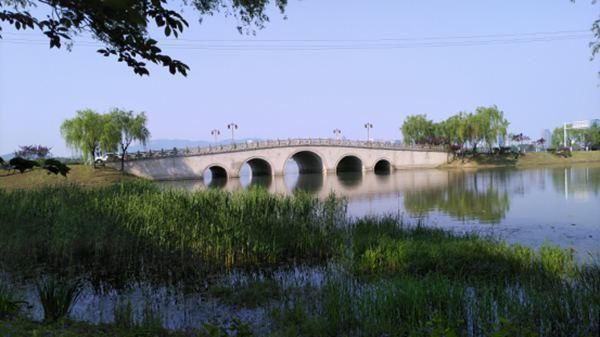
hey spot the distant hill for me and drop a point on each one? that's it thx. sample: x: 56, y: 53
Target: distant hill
x: 166, y: 144
x: 7, y: 156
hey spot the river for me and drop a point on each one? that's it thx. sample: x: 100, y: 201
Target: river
x: 558, y: 205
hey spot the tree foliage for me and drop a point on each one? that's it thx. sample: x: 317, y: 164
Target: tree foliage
x: 22, y: 164
x: 32, y: 152
x: 55, y: 166
x: 486, y: 125
x: 124, y: 128
x: 123, y: 26
x: 85, y: 133
x: 90, y: 132
x: 557, y: 137
x: 417, y: 129
x: 589, y: 137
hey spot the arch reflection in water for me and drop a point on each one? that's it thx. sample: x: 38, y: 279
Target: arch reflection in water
x: 350, y: 179
x: 312, y: 183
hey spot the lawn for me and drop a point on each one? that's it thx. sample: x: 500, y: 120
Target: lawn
x: 82, y: 175
x: 524, y: 160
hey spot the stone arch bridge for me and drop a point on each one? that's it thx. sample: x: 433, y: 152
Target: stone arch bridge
x: 268, y: 158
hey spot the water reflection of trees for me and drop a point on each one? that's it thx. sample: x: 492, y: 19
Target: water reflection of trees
x: 469, y: 196
x: 576, y: 180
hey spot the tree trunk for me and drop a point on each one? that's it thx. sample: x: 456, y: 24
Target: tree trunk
x: 123, y: 152
x: 93, y: 157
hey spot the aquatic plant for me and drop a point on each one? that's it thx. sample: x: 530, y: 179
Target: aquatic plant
x: 57, y: 295
x: 10, y: 304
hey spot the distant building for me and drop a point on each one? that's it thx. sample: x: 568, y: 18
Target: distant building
x: 547, y: 135
x: 585, y: 124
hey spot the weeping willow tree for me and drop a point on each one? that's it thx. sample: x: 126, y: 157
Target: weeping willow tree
x: 90, y: 132
x: 83, y: 133
x: 124, y: 128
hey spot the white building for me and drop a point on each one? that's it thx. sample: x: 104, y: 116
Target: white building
x: 585, y: 124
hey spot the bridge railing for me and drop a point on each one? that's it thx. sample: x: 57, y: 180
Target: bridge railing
x: 267, y: 144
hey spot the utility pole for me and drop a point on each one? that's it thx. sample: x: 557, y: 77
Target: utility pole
x: 232, y: 126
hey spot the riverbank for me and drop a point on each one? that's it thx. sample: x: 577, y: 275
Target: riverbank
x: 280, y: 266
x: 531, y: 159
x: 82, y: 175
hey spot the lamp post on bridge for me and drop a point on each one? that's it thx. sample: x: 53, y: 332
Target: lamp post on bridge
x: 216, y: 134
x: 232, y: 126
x: 368, y: 126
x: 337, y: 133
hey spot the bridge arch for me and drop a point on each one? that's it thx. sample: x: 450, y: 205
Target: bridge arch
x: 349, y: 163
x: 259, y: 167
x: 382, y: 166
x: 308, y: 161
x: 218, y: 175
x: 217, y: 171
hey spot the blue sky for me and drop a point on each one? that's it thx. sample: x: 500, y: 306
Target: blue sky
x: 308, y: 93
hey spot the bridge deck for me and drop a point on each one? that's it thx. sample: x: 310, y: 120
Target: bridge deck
x: 280, y: 143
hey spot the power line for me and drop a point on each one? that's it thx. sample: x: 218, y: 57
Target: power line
x: 561, y: 32
x: 328, y: 45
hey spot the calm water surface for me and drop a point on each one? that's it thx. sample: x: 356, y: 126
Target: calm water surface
x: 527, y: 206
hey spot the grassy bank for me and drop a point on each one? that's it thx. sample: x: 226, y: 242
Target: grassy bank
x: 531, y: 159
x: 82, y: 175
x: 390, y: 278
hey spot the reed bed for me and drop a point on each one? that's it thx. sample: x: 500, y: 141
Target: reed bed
x: 392, y: 279
x: 137, y: 229
x: 436, y: 306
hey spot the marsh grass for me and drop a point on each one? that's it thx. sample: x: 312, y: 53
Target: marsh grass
x: 393, y: 279
x: 436, y: 306
x: 10, y: 304
x: 136, y: 229
x: 386, y: 247
x: 57, y: 295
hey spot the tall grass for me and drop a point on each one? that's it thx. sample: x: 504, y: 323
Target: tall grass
x: 386, y: 247
x: 138, y: 229
x: 57, y: 295
x: 436, y: 306
x: 397, y: 280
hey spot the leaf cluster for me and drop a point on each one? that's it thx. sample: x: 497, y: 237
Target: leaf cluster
x: 33, y: 151
x: 123, y: 26
x: 484, y: 125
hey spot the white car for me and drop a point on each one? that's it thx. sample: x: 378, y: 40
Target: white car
x: 103, y: 158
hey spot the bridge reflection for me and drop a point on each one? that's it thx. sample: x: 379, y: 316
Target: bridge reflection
x: 462, y: 195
